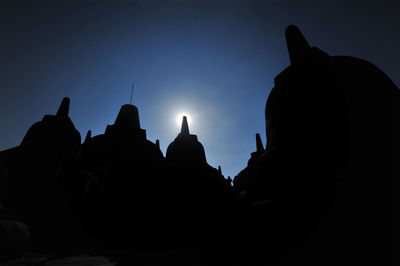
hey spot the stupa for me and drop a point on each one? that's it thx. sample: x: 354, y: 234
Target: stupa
x: 186, y: 149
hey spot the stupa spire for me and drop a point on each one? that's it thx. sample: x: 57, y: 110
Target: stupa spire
x: 297, y: 45
x: 259, y: 144
x: 88, y: 136
x: 63, y: 110
x: 185, y: 126
x: 157, y: 144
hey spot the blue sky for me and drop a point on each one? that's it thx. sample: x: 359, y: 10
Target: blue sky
x: 215, y: 60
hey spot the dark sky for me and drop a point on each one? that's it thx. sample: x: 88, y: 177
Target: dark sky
x: 215, y: 60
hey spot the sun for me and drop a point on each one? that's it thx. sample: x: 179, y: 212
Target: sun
x: 180, y: 116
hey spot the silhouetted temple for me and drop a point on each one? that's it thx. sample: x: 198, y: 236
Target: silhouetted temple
x: 41, y: 184
x: 188, y: 192
x: 120, y: 163
x: 186, y: 149
x: 318, y: 182
x: 108, y: 175
x: 309, y: 196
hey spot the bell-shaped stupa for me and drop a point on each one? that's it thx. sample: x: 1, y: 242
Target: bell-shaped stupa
x: 186, y: 149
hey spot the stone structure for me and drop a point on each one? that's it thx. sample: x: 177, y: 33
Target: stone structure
x: 186, y: 149
x: 325, y: 173
x: 41, y: 184
x: 189, y: 193
x: 120, y: 164
x: 315, y: 180
x: 132, y: 186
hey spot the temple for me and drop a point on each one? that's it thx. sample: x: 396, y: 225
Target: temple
x: 42, y: 186
x: 314, y: 187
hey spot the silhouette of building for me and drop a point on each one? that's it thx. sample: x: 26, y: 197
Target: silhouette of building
x: 114, y: 183
x: 318, y: 182
x: 189, y: 193
x: 128, y: 172
x: 315, y: 186
x: 121, y: 163
x: 40, y: 184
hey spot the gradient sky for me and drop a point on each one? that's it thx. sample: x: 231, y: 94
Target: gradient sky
x: 215, y: 60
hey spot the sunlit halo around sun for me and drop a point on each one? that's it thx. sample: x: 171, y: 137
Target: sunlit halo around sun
x: 180, y: 116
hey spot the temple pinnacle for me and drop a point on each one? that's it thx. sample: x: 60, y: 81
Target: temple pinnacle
x: 63, y: 110
x: 185, y: 126
x: 88, y: 136
x: 259, y: 144
x: 157, y: 144
x: 296, y: 43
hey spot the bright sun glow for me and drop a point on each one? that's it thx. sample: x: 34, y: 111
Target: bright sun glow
x: 180, y: 116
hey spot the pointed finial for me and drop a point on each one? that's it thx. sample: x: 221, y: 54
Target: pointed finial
x: 219, y: 169
x: 157, y: 144
x: 297, y: 45
x: 88, y: 136
x: 185, y: 126
x: 133, y: 85
x: 63, y: 110
x: 259, y: 144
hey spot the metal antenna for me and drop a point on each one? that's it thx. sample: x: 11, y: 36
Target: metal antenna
x: 133, y: 85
